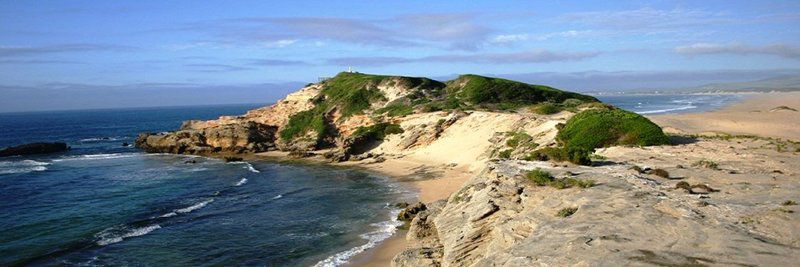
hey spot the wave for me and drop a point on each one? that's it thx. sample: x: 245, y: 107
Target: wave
x: 188, y: 209
x: 385, y: 230
x: 666, y: 110
x: 277, y: 197
x: 247, y: 166
x: 111, y: 236
x: 101, y: 139
x: 241, y: 182
x: 99, y: 156
x: 23, y: 166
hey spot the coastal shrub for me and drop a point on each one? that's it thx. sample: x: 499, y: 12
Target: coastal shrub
x: 571, y: 103
x: 545, y: 108
x: 505, y: 154
x: 789, y: 203
x: 396, y: 110
x: 477, y: 89
x: 566, y: 212
x: 660, y: 173
x: 377, y: 131
x: 578, y: 156
x: 539, y: 177
x: 597, y: 128
x: 517, y: 138
x: 302, y: 122
x: 582, y: 183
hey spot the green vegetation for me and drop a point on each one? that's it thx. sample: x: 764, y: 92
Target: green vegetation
x: 505, y: 154
x: 517, y: 138
x: 539, y: 177
x: 377, y: 131
x: 566, y: 212
x: 479, y: 90
x: 597, y: 128
x: 789, y: 203
x: 575, y: 155
x: 545, y: 108
x: 396, y: 110
x: 302, y: 122
x: 544, y: 178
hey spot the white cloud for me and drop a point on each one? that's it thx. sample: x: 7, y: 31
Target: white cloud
x: 781, y: 50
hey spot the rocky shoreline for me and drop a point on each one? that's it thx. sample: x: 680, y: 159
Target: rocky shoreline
x: 589, y: 205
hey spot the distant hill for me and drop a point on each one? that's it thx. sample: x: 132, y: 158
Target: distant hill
x: 779, y: 84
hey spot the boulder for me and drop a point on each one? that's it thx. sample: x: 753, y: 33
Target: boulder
x: 34, y: 148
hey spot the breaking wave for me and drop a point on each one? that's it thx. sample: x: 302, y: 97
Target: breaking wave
x: 384, y: 230
x: 23, y: 166
x: 115, y: 235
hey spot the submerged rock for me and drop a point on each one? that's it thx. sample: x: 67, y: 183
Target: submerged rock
x: 34, y: 148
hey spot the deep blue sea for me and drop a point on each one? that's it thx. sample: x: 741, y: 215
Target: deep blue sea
x: 102, y: 204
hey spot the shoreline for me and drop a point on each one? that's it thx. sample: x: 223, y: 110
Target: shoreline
x: 758, y: 115
x: 430, y: 183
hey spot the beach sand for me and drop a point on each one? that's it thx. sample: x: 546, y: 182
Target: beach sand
x: 753, y: 116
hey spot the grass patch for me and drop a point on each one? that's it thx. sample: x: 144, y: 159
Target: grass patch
x: 566, y: 212
x: 302, y: 122
x: 539, y: 177
x: 545, y: 108
x: 505, y: 154
x: 517, y: 138
x: 396, y: 110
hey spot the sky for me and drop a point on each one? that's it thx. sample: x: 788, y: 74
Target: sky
x: 100, y: 54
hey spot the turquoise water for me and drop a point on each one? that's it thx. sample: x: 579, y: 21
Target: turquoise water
x: 103, y: 204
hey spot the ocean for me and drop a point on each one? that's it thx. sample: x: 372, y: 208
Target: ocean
x: 102, y: 204
x: 652, y: 104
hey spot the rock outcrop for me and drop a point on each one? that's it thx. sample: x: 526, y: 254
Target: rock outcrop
x: 248, y: 137
x: 34, y: 148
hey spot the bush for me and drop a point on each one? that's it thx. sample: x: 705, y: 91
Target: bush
x: 505, y: 154
x: 566, y: 212
x: 517, y: 138
x: 597, y: 128
x: 789, y: 203
x: 580, y: 183
x: 539, y: 177
x: 302, y: 122
x: 377, y: 131
x: 574, y: 155
x: 546, y: 108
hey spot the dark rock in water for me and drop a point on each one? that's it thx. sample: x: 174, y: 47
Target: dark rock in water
x: 410, y: 211
x: 401, y: 205
x: 232, y: 159
x: 126, y: 144
x: 190, y: 162
x: 34, y: 148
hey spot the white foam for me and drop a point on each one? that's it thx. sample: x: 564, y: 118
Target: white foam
x: 241, y: 182
x: 385, y: 230
x: 22, y: 166
x: 247, y: 166
x: 194, y: 207
x: 101, y: 139
x: 666, y: 110
x: 277, y: 197
x: 106, y: 238
x: 99, y: 156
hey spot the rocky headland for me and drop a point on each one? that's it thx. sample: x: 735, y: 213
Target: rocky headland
x: 514, y: 174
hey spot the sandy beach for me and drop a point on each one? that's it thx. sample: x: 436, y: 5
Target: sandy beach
x: 756, y: 115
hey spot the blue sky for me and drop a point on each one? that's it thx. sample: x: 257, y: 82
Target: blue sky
x: 103, y: 53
